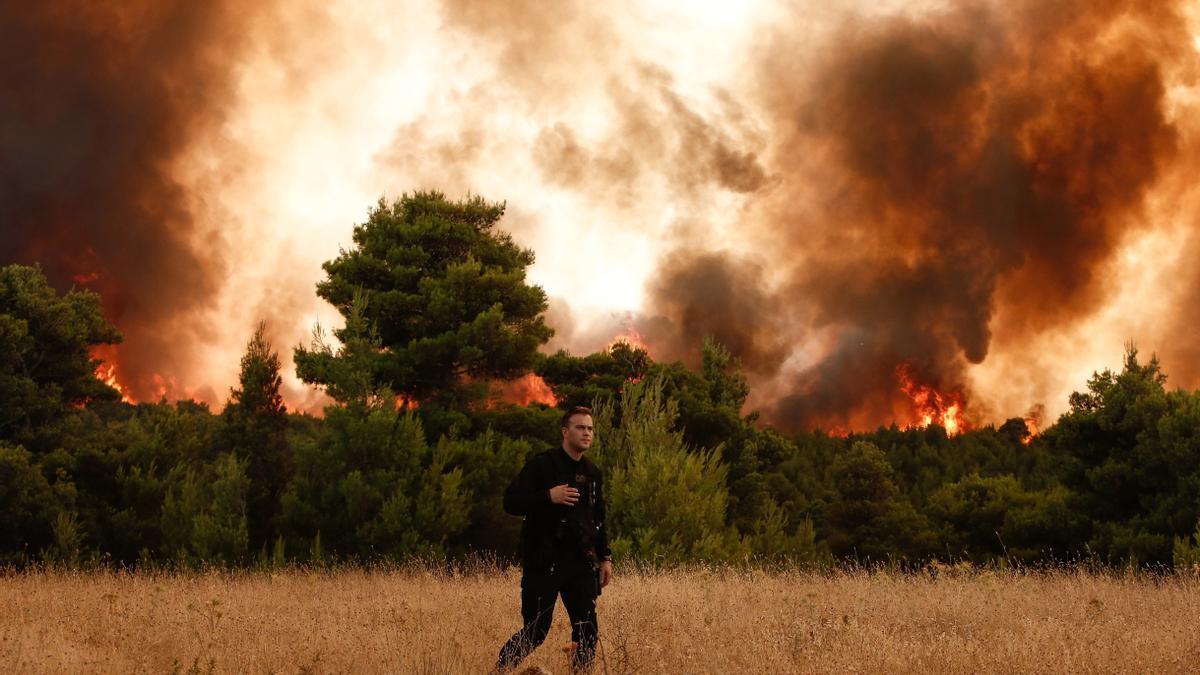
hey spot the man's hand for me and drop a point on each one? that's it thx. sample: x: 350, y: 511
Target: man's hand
x: 605, y: 573
x: 564, y: 494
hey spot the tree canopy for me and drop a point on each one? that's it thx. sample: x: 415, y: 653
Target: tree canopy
x: 444, y: 292
x: 411, y: 458
x: 46, y: 364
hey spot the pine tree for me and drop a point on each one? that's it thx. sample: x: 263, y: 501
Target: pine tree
x: 445, y: 293
x: 256, y: 430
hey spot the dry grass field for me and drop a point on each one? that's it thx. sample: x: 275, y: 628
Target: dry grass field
x: 700, y: 621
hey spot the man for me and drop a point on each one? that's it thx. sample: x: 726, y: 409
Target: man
x: 564, y: 546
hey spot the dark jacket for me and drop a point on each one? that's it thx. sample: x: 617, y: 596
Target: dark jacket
x: 556, y: 532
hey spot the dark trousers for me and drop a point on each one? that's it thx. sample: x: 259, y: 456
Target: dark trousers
x: 577, y: 584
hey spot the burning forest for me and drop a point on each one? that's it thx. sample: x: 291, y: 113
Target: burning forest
x: 312, y: 281
x: 929, y: 215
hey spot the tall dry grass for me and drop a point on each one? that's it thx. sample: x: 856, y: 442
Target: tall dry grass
x: 699, y: 621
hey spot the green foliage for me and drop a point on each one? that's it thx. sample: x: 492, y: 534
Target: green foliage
x: 46, y: 370
x: 124, y: 469
x: 67, y: 539
x: 710, y: 401
x: 349, y: 374
x: 988, y: 518
x: 256, y: 429
x: 666, y: 501
x: 204, y: 513
x: 1131, y: 450
x: 580, y: 380
x: 868, y: 517
x: 27, y: 505
x: 1185, y: 554
x: 371, y: 486
x: 771, y: 540
x: 535, y: 423
x: 445, y: 292
x: 413, y: 457
x: 487, y: 464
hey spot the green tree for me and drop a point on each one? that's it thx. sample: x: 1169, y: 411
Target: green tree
x: 46, y: 370
x: 28, y: 506
x: 256, y: 429
x: 986, y: 518
x: 487, y: 464
x: 1185, y: 551
x: 580, y: 380
x: 121, y: 469
x: 868, y: 517
x: 1131, y: 451
x: 666, y: 501
x: 710, y: 400
x: 446, y: 292
x: 369, y: 485
x: 204, y: 513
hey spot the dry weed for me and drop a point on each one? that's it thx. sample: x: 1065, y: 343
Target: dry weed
x: 697, y: 621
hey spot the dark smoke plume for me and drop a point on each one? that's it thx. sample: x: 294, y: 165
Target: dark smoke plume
x: 975, y: 170
x: 712, y: 294
x: 97, y: 100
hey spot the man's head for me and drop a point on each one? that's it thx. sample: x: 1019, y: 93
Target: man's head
x: 577, y: 429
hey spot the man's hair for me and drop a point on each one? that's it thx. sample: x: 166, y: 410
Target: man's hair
x: 577, y: 410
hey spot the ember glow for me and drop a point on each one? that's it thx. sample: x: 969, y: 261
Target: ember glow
x: 406, y: 402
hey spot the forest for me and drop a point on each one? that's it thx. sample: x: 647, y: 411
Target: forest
x: 411, y: 456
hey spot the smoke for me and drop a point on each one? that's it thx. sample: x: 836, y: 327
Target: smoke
x: 656, y: 133
x: 96, y: 104
x: 909, y: 190
x: 711, y: 294
x: 975, y: 171
x: 978, y: 193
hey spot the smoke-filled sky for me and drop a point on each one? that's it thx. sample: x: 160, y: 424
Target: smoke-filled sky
x: 990, y: 197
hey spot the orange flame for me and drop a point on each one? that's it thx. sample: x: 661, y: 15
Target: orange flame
x: 839, y: 431
x: 533, y: 389
x: 931, y: 406
x: 523, y: 391
x: 107, y: 373
x: 1031, y: 425
x: 630, y: 336
x: 406, y: 402
x: 1033, y: 422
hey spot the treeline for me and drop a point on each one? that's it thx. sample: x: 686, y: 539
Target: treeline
x: 413, y: 454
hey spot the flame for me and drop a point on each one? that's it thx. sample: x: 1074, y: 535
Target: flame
x: 1033, y: 422
x: 1032, y: 426
x: 630, y: 336
x: 932, y: 406
x: 85, y: 279
x: 535, y: 390
x: 107, y: 373
x: 406, y: 402
x: 839, y: 431
x: 523, y: 391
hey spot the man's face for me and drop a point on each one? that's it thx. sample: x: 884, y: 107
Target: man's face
x: 578, y: 432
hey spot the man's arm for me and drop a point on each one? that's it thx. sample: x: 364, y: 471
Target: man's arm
x: 523, y: 494
x: 602, y: 548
